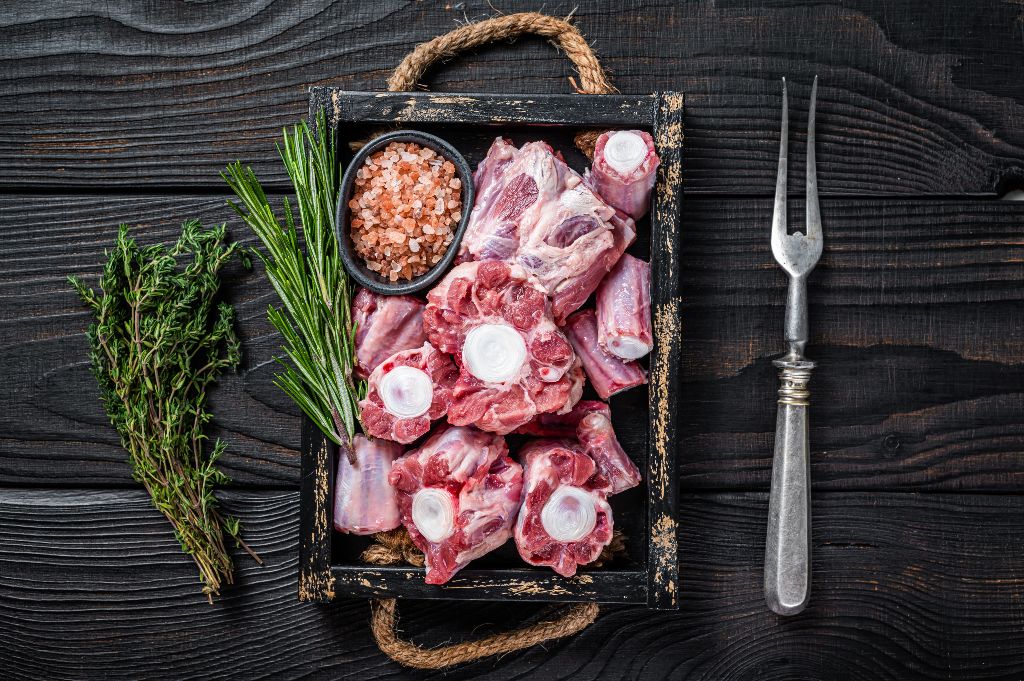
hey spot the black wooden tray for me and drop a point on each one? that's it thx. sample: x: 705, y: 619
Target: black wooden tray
x: 645, y: 420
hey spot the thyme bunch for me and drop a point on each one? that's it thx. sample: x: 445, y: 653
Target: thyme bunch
x: 308, y: 277
x: 159, y: 339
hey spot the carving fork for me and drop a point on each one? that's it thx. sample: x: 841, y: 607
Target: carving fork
x: 787, y: 565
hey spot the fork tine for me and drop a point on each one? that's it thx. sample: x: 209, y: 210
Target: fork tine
x: 779, y: 221
x: 813, y: 210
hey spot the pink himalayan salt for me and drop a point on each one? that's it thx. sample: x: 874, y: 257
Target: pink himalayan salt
x: 406, y: 205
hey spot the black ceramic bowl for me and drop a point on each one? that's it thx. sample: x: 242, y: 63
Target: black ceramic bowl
x: 355, y: 265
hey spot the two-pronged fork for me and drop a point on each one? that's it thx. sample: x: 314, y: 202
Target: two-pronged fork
x: 787, y: 568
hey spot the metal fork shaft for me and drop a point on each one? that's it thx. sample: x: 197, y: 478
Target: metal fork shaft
x: 796, y: 317
x: 787, y: 564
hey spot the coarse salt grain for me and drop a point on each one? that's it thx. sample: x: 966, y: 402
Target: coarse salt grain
x: 406, y: 199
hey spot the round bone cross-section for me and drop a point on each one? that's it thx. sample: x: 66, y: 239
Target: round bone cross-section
x: 514, y: 363
x: 458, y: 495
x: 565, y: 520
x: 406, y: 392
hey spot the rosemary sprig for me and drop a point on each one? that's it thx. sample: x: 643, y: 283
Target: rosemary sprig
x: 159, y: 340
x: 315, y: 319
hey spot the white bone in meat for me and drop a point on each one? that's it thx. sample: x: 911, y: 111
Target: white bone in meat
x: 565, y: 520
x: 406, y: 392
x: 514, y: 362
x: 458, y: 495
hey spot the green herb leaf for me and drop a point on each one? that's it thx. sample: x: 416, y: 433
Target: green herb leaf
x: 314, y: 318
x: 157, y: 342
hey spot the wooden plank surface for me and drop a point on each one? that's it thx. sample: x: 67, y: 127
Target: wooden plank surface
x: 906, y: 586
x: 126, y: 112
x: 51, y: 412
x: 424, y: 108
x: 915, y: 312
x: 915, y: 98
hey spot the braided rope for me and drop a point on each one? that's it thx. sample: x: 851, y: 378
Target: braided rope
x: 560, y: 32
x: 396, y: 548
x: 593, y: 80
x: 385, y: 615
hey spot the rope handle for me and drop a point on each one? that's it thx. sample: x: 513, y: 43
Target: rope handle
x: 593, y: 80
x: 561, y: 33
x: 396, y: 548
x: 385, y: 615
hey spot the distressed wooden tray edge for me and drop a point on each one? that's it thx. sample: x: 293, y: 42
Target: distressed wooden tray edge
x: 658, y: 585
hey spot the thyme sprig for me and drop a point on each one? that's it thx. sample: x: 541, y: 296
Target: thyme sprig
x: 159, y: 340
x: 315, y: 319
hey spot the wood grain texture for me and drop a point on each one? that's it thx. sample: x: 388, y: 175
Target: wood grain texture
x: 50, y: 409
x: 906, y: 586
x: 915, y: 320
x: 497, y: 109
x: 131, y: 109
x: 915, y: 98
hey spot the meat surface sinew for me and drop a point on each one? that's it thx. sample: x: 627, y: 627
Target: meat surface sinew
x: 590, y: 424
x: 458, y: 496
x: 624, y: 309
x: 534, y: 210
x: 608, y: 374
x: 385, y: 325
x: 514, y: 362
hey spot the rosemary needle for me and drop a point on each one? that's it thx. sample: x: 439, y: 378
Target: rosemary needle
x: 314, y: 318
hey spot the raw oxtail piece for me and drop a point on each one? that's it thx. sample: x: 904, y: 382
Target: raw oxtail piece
x: 458, y: 495
x: 597, y: 437
x: 514, y: 362
x: 624, y: 170
x: 609, y: 374
x: 565, y: 520
x: 624, y: 309
x: 562, y: 425
x: 406, y: 392
x: 589, y: 423
x: 534, y: 210
x: 385, y: 325
x: 364, y: 501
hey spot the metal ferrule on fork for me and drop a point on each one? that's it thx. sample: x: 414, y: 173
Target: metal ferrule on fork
x: 794, y: 378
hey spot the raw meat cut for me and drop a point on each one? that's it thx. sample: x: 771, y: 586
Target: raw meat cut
x: 608, y: 374
x: 458, y: 496
x: 406, y: 392
x: 385, y: 325
x: 624, y: 309
x: 364, y: 502
x: 565, y: 519
x: 534, y: 210
x: 624, y: 170
x: 590, y: 424
x: 514, y: 362
x: 597, y: 437
x: 561, y: 425
x: 577, y: 380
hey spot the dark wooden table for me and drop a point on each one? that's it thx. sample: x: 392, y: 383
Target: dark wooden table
x: 112, y: 114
